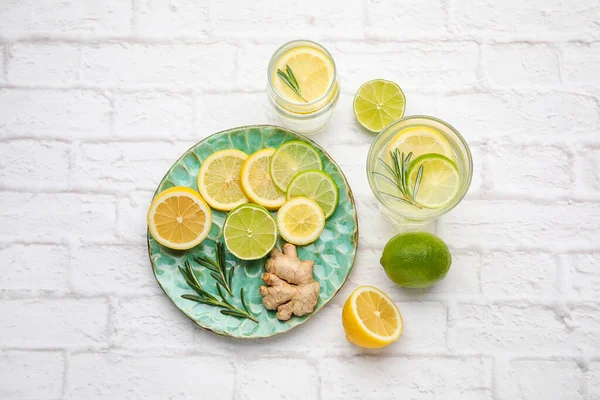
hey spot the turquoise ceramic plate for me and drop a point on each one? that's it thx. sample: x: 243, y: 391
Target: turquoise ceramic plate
x: 333, y: 253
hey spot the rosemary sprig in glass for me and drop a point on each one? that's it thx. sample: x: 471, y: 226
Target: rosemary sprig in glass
x: 399, y: 177
x: 290, y: 80
x: 204, y: 297
x: 218, y: 268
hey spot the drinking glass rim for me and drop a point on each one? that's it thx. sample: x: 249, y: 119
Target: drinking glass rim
x: 464, y: 186
x: 280, y: 49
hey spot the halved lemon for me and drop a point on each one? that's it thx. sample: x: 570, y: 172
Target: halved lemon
x: 419, y: 140
x: 300, y: 221
x: 378, y: 103
x: 257, y: 183
x: 312, y: 68
x: 219, y: 179
x: 290, y: 159
x: 440, y: 180
x: 250, y: 232
x: 371, y: 319
x: 179, y: 218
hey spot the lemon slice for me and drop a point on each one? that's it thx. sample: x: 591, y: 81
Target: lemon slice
x: 378, y: 103
x: 420, y: 140
x: 313, y: 70
x: 440, y: 180
x: 290, y: 159
x: 317, y: 186
x: 178, y: 218
x: 257, y: 183
x: 300, y: 221
x: 250, y: 232
x: 219, y: 179
x: 371, y: 319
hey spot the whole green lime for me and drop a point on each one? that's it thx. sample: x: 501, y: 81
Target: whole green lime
x: 416, y: 259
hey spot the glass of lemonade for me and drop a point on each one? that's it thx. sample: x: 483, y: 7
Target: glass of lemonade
x: 419, y: 168
x: 309, y: 109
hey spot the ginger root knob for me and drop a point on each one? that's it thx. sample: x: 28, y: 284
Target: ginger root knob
x: 291, y: 289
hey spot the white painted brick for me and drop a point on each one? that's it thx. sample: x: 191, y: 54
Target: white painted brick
x: 42, y: 113
x: 253, y: 61
x: 132, y: 224
x: 182, y: 65
x: 31, y: 375
x: 45, y: 63
x: 350, y: 155
x: 529, y: 168
x: 538, y: 16
x: 584, y: 275
x: 547, y: 379
x: 509, y: 223
x: 581, y: 62
x: 51, y: 217
x: 413, y: 16
x: 99, y: 269
x: 519, y: 274
x: 521, y: 63
x: 123, y: 166
x: 2, y: 73
x: 54, y: 322
x: 154, y: 321
x: 26, y: 163
x: 110, y: 375
x: 278, y: 378
x: 593, y: 380
x: 169, y: 18
x: 411, y: 65
x: 34, y: 267
x: 266, y: 18
x: 590, y: 169
x: 154, y: 115
x: 406, y: 377
x: 585, y: 318
x: 424, y: 327
x: 478, y: 154
x: 15, y: 16
x: 528, y: 114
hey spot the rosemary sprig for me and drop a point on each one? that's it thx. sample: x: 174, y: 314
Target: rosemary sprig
x: 204, y: 297
x: 289, y: 79
x: 218, y: 268
x: 399, y: 177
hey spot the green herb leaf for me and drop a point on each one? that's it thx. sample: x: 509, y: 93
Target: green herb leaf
x: 289, y: 79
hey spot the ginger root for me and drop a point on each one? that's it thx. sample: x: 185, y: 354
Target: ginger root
x: 291, y: 288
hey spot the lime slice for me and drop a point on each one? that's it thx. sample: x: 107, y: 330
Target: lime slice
x: 219, y: 179
x: 419, y: 140
x: 378, y: 103
x: 250, y: 232
x: 290, y: 159
x: 300, y: 221
x: 317, y: 186
x: 440, y: 180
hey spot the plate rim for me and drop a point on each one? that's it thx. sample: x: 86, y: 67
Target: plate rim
x: 355, y: 236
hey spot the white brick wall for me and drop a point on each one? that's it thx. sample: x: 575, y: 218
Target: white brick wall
x: 97, y: 98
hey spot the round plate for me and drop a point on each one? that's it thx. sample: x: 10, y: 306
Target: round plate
x: 333, y: 253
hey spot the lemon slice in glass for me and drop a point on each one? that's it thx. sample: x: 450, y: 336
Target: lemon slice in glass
x: 440, y: 180
x: 300, y: 221
x: 219, y: 179
x: 290, y: 159
x: 378, y: 103
x: 250, y: 232
x: 257, y: 183
x: 371, y: 319
x: 179, y: 218
x: 317, y: 186
x: 419, y: 140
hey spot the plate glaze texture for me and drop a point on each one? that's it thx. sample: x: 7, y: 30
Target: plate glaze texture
x: 333, y: 253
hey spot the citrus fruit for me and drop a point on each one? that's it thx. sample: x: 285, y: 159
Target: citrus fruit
x: 313, y: 70
x: 178, y: 218
x: 290, y: 159
x: 371, y: 319
x: 419, y: 140
x: 440, y: 180
x: 256, y: 181
x: 219, y: 179
x: 250, y: 232
x: 416, y: 259
x: 317, y: 186
x: 378, y: 103
x: 300, y: 221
